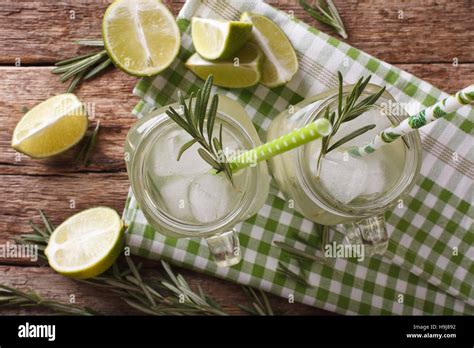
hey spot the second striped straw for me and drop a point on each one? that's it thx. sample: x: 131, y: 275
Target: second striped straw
x: 434, y: 112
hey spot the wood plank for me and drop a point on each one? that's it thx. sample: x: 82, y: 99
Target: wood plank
x: 429, y: 31
x: 111, y: 98
x: 56, y: 287
x: 23, y: 195
x: 40, y: 32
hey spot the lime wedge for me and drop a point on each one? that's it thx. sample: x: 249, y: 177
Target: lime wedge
x: 51, y: 127
x: 140, y: 36
x: 279, y: 62
x: 235, y: 73
x: 86, y: 244
x: 216, y: 39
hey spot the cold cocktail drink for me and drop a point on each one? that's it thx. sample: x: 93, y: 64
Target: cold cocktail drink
x: 350, y: 193
x: 183, y: 198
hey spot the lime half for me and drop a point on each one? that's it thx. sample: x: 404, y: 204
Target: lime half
x: 86, y: 244
x: 235, y: 73
x: 51, y: 127
x: 280, y: 62
x: 140, y: 36
x: 216, y: 39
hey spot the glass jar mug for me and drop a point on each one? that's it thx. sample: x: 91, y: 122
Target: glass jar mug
x: 183, y: 199
x: 350, y: 194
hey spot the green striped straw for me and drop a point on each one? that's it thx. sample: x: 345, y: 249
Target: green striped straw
x: 298, y: 137
x: 434, y: 112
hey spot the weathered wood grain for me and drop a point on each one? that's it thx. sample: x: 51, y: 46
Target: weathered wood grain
x: 429, y: 30
x: 40, y: 33
x: 58, y: 195
x: 111, y: 100
x: 56, y: 287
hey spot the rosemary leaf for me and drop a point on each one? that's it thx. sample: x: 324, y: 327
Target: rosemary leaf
x: 325, y: 238
x: 86, y: 63
x: 326, y: 13
x: 186, y: 146
x: 98, y: 69
x: 47, y: 224
x: 295, y: 276
x: 299, y: 253
x: 208, y: 158
x: 351, y: 136
x: 89, y: 42
x: 75, y: 81
x: 260, y: 304
x: 212, y: 117
x: 89, y: 144
x: 74, y: 60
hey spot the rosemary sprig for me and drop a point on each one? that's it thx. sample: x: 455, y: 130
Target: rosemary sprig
x: 10, y: 296
x: 83, y: 67
x: 348, y: 109
x: 297, y: 277
x: 325, y: 12
x: 89, y: 144
x: 166, y: 294
x: 194, y: 119
x: 300, y: 254
x: 259, y: 301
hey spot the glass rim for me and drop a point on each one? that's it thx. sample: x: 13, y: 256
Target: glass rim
x: 407, y: 180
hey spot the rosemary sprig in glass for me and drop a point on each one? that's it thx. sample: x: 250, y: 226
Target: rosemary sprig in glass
x: 10, y: 296
x: 348, y: 109
x: 83, y: 67
x: 193, y: 120
x: 325, y: 12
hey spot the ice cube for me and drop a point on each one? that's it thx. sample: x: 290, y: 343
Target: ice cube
x: 377, y: 171
x: 173, y: 191
x: 165, y: 152
x: 343, y: 176
x: 210, y: 197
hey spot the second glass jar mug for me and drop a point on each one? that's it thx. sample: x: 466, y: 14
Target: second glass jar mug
x: 361, y: 223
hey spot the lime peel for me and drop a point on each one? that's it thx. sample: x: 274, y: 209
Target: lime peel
x: 134, y: 41
x: 86, y: 244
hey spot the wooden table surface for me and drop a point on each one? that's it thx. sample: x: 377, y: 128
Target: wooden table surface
x: 431, y: 39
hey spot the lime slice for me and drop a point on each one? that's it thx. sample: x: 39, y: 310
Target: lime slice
x: 86, y: 244
x: 235, y: 73
x: 279, y: 62
x: 140, y: 36
x: 51, y: 127
x: 216, y: 39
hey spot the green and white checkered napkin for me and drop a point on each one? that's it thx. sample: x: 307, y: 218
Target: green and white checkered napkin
x: 430, y: 256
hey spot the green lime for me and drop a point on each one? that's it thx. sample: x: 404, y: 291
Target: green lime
x: 86, y: 244
x: 140, y: 36
x: 279, y: 62
x: 216, y: 39
x: 239, y: 72
x: 51, y: 127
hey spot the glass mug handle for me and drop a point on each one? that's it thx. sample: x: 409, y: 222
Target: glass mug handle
x: 370, y: 232
x: 225, y: 248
